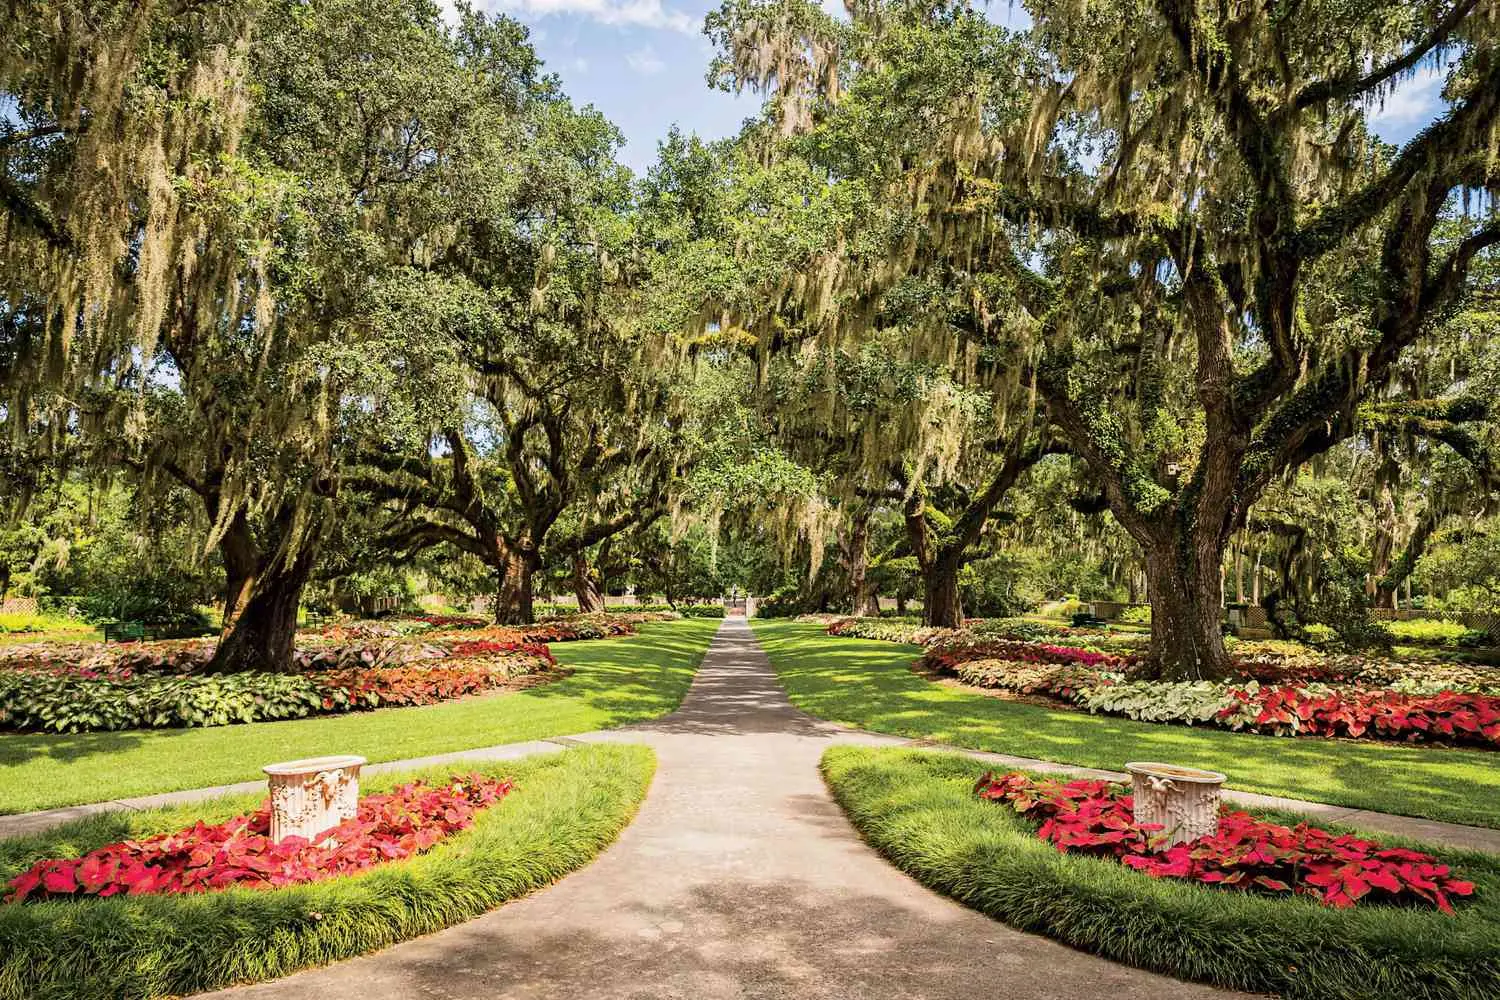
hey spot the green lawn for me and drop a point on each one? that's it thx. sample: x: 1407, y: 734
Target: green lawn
x: 867, y: 684
x: 616, y: 681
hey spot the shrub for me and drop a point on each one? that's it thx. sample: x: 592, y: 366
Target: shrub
x: 240, y: 851
x: 1097, y: 817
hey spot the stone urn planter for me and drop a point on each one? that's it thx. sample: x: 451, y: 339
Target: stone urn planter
x: 313, y: 795
x: 1184, y: 800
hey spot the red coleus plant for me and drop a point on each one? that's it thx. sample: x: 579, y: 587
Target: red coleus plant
x: 240, y: 852
x: 389, y: 687
x: 451, y: 621
x: 490, y: 647
x: 1097, y: 817
x: 1458, y: 716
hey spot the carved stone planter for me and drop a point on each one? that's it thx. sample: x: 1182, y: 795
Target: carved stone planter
x: 309, y: 797
x: 1184, y: 800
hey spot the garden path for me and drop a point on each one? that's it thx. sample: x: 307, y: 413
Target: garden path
x: 739, y: 878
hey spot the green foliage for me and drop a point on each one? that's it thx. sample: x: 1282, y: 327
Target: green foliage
x: 919, y: 810
x: 567, y: 808
x: 1432, y: 631
x: 69, y: 704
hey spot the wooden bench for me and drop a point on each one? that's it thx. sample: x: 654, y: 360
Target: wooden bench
x: 124, y: 632
x: 1085, y: 620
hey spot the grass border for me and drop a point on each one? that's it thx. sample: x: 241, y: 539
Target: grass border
x: 917, y: 808
x: 567, y: 807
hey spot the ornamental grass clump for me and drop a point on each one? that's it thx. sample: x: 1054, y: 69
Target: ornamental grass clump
x: 1097, y: 817
x: 240, y: 852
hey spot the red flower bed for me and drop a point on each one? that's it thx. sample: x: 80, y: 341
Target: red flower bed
x: 387, y: 687
x: 1462, y: 717
x: 1096, y: 817
x: 240, y: 852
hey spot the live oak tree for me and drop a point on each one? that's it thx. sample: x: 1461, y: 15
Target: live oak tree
x: 298, y: 179
x: 1217, y: 261
x: 566, y: 425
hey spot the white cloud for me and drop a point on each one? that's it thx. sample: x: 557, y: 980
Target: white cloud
x: 1415, y: 101
x: 627, y: 13
x: 645, y: 62
x: 580, y: 65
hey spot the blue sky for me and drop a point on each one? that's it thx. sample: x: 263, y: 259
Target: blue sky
x: 642, y: 63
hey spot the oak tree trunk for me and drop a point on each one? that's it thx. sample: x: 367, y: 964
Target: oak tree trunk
x: 1187, y: 642
x: 263, y: 632
x: 241, y: 557
x: 941, y: 604
x: 866, y: 602
x: 587, y: 585
x: 513, y: 601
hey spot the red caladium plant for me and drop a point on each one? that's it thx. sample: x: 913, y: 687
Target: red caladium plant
x: 240, y: 852
x: 1097, y: 817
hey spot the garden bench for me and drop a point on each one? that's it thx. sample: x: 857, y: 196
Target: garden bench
x: 1085, y: 620
x: 124, y: 632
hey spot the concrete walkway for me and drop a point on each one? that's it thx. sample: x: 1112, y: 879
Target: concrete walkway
x: 740, y: 878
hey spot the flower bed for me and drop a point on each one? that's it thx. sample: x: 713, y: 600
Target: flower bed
x: 973, y: 630
x: 918, y: 808
x: 567, y: 808
x: 239, y: 852
x: 1265, y: 662
x: 947, y: 653
x: 337, y: 679
x: 1278, y: 710
x: 1097, y: 817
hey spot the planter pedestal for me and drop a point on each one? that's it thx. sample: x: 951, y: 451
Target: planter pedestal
x: 1184, y: 800
x: 311, y: 796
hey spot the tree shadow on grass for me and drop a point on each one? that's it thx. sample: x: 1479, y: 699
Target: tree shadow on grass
x: 19, y: 748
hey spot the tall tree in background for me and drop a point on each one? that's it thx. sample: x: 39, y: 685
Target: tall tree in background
x: 1178, y: 211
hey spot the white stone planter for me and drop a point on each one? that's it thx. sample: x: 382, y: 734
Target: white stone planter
x: 309, y: 797
x: 1184, y: 800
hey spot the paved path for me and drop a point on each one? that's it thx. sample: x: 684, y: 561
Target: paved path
x: 740, y: 878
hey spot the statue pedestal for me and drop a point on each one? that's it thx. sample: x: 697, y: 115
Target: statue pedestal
x: 309, y: 797
x: 1184, y: 800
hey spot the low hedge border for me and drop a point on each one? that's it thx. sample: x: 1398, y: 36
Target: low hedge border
x: 566, y: 808
x: 919, y: 810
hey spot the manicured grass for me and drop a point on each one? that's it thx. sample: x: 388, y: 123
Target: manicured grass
x: 919, y: 810
x: 566, y: 808
x: 868, y: 684
x: 616, y: 681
